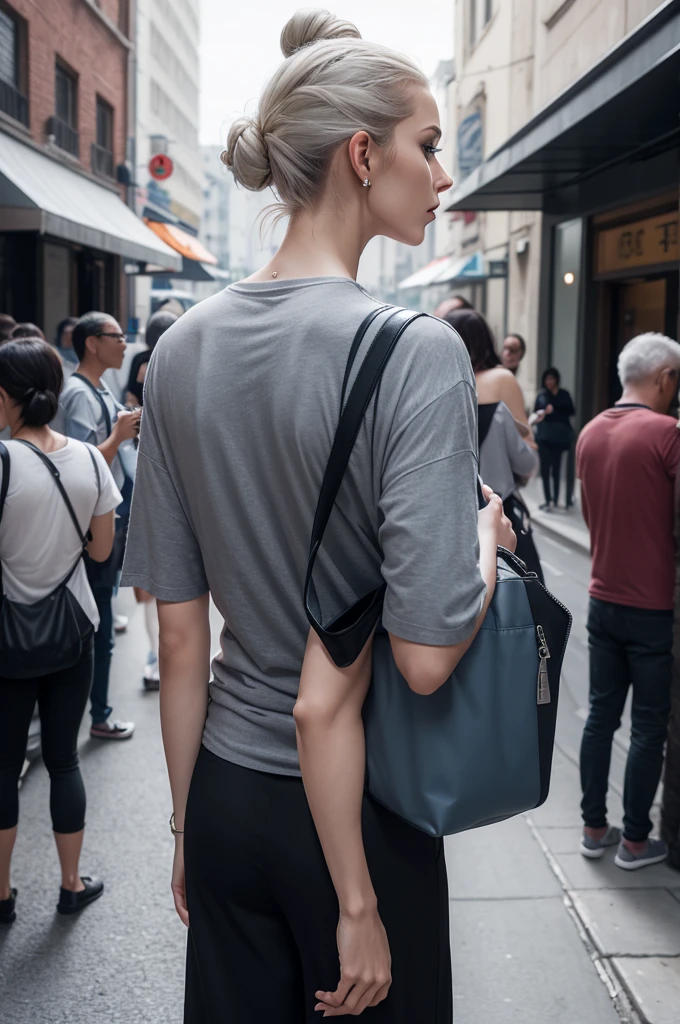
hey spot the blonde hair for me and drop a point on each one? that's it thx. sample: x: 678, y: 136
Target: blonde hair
x: 331, y: 85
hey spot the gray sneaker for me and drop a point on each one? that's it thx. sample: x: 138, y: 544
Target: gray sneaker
x: 594, y: 848
x: 655, y: 852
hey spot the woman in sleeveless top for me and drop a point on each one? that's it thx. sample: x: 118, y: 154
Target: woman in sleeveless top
x: 39, y: 546
x: 302, y: 895
x: 506, y: 455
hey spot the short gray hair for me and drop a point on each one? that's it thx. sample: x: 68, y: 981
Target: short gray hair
x: 645, y: 355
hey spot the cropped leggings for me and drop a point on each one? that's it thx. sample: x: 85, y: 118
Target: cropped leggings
x: 263, y: 912
x: 62, y: 698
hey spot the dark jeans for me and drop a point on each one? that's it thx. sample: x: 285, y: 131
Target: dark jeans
x: 550, y: 456
x: 103, y: 649
x: 62, y: 698
x: 264, y: 912
x: 628, y: 646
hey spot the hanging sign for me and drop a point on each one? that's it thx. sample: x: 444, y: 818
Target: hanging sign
x: 160, y: 167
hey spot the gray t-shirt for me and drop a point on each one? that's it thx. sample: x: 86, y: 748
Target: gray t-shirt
x: 81, y: 416
x: 242, y: 399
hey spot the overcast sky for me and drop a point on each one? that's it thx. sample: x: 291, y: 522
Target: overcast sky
x: 240, y: 45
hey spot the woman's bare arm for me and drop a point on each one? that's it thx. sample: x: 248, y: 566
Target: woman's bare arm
x: 184, y: 655
x: 331, y: 748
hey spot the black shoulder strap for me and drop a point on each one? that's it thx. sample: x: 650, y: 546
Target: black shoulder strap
x: 100, y: 398
x: 345, y: 637
x: 62, y: 490
x: 485, y: 415
x: 4, y: 486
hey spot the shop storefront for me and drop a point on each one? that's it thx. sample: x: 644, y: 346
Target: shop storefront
x: 602, y: 165
x: 64, y: 240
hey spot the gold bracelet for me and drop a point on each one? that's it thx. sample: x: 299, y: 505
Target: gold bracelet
x: 175, y: 831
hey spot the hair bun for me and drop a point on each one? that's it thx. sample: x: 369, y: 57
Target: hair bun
x: 40, y: 407
x: 312, y: 24
x: 247, y: 155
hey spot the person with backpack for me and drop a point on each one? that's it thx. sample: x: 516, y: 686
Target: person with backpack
x: 51, y: 515
x: 89, y: 412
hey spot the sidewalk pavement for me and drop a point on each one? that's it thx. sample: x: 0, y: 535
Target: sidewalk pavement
x: 542, y: 935
x: 567, y: 524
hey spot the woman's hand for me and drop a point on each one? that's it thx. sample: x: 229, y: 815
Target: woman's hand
x: 493, y: 522
x: 178, y: 890
x: 365, y: 967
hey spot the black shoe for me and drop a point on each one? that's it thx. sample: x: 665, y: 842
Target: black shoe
x: 71, y: 902
x: 7, y: 911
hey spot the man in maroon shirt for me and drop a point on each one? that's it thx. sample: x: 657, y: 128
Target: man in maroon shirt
x: 627, y: 459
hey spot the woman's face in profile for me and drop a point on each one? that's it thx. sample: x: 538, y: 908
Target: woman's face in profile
x: 405, y: 194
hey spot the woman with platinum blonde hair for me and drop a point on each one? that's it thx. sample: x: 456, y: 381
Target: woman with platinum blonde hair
x: 302, y: 895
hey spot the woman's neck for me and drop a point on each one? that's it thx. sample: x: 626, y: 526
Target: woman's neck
x: 319, y: 243
x: 92, y: 370
x: 42, y: 437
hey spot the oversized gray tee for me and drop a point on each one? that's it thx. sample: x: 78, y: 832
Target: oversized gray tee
x: 241, y: 403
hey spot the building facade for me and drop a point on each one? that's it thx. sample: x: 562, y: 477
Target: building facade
x: 65, y: 229
x: 572, y: 174
x: 166, y: 105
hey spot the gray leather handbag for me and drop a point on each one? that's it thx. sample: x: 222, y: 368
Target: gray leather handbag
x: 479, y: 749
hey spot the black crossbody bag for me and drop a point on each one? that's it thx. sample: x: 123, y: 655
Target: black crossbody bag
x: 48, y: 635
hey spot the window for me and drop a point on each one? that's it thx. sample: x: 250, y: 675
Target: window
x: 472, y: 19
x: 64, y: 125
x: 102, y: 149
x: 66, y: 97
x: 12, y: 68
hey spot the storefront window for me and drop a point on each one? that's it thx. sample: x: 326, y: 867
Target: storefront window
x: 566, y: 289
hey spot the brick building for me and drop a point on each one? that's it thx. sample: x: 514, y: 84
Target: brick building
x: 66, y: 232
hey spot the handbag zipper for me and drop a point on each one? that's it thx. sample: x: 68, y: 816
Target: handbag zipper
x: 543, y: 687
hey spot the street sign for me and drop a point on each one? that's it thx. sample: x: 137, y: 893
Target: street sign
x: 160, y: 167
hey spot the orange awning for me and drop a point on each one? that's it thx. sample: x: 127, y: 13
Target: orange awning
x: 185, y: 244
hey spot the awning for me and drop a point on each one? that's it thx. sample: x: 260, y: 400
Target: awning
x: 425, y: 276
x: 41, y: 194
x: 452, y: 269
x: 625, y: 109
x: 183, y: 243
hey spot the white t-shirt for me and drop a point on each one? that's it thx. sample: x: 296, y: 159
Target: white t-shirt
x: 38, y: 539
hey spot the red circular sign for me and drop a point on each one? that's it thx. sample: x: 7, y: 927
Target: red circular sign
x: 160, y: 166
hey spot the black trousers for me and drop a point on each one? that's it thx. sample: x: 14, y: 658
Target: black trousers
x: 550, y: 457
x: 62, y: 698
x: 628, y: 646
x: 263, y: 912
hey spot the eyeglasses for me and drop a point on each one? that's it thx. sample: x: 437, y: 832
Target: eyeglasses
x: 111, y: 334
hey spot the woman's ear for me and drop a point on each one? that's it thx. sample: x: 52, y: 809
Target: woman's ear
x: 359, y: 156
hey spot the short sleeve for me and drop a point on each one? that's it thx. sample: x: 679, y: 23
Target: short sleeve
x: 109, y: 495
x: 670, y: 450
x: 80, y: 418
x: 523, y: 459
x: 428, y: 535
x: 162, y: 554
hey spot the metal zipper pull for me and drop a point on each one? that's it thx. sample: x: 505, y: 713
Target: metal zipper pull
x: 543, y: 689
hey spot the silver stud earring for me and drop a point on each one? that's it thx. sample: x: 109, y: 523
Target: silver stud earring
x: 366, y: 183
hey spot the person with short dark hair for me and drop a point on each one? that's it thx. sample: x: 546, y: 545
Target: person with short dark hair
x: 513, y: 352
x: 90, y: 413
x: 156, y: 325
x: 27, y: 330
x: 627, y: 461
x: 7, y: 325
x: 554, y: 434
x: 452, y: 303
x: 41, y: 550
x: 64, y: 343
